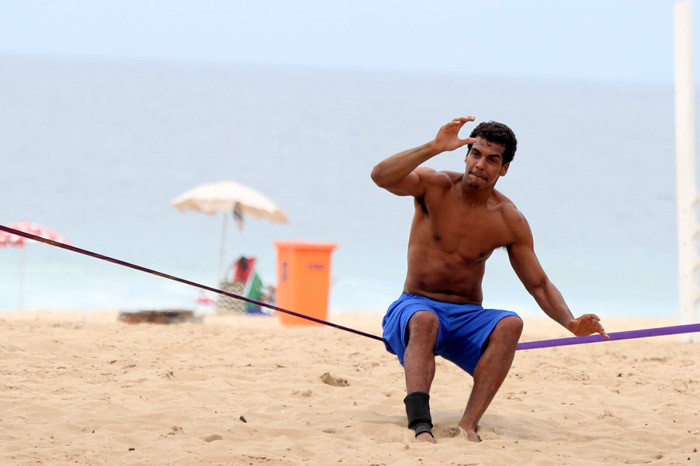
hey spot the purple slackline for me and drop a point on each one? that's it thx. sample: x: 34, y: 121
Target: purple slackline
x: 650, y: 332
x: 182, y: 280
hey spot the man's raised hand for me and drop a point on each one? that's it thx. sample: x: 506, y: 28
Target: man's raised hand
x: 447, y: 138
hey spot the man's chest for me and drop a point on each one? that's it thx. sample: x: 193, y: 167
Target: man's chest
x: 471, y: 233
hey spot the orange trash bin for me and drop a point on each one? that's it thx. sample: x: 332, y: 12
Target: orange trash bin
x: 303, y: 280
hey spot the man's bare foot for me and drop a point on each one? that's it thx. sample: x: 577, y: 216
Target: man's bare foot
x: 425, y: 437
x: 470, y: 434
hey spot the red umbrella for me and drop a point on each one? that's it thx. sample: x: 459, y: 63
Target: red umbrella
x: 8, y: 239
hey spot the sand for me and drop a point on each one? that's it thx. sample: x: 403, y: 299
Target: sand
x: 82, y: 388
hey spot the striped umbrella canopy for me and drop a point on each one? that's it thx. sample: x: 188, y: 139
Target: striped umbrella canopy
x: 8, y: 239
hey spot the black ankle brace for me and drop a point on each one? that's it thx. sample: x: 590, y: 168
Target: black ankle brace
x: 418, y: 412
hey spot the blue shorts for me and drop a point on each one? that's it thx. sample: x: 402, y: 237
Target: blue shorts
x: 464, y: 328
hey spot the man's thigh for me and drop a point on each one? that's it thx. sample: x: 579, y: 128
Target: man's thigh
x: 467, y: 335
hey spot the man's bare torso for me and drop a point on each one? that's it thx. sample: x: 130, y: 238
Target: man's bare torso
x: 451, y: 239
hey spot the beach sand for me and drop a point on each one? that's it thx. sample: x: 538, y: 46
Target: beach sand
x: 83, y: 388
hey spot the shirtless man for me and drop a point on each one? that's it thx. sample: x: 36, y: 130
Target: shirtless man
x: 459, y: 220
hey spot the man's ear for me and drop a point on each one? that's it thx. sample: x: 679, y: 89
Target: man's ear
x: 504, y: 169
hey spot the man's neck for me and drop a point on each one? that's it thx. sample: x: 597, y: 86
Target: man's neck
x: 474, y: 196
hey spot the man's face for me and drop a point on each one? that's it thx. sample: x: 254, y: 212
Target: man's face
x: 484, y: 164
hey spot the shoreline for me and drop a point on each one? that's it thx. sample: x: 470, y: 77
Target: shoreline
x: 535, y: 326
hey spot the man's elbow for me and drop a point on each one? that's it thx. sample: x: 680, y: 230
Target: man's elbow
x: 537, y: 288
x: 378, y: 177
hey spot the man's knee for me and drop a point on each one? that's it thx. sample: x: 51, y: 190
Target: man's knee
x: 423, y: 325
x: 508, y: 330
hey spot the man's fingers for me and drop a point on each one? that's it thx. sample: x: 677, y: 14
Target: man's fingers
x: 588, y: 324
x: 597, y: 327
x: 449, y: 134
x: 460, y: 121
x: 456, y: 125
x: 464, y: 142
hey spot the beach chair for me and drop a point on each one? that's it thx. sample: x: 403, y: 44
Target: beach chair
x: 244, y: 281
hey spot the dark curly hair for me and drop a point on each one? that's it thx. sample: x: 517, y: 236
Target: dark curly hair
x: 497, y: 133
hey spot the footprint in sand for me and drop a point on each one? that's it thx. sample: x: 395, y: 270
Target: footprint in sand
x: 328, y: 379
x: 451, y: 432
x: 212, y: 438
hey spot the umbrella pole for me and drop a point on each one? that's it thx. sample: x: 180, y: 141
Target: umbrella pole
x: 21, y: 277
x: 222, y: 250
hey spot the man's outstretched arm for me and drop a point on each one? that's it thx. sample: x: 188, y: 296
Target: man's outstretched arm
x: 397, y: 173
x: 527, y: 267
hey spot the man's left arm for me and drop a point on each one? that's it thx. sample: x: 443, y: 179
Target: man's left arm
x: 526, y: 265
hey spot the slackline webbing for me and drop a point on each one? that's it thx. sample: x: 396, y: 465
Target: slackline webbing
x: 614, y: 336
x: 182, y: 280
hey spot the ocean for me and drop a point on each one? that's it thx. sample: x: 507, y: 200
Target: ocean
x: 97, y: 150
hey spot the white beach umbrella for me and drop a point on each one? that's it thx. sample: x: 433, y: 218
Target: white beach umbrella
x: 228, y: 197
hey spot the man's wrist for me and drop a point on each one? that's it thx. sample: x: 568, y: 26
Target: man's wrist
x: 432, y: 149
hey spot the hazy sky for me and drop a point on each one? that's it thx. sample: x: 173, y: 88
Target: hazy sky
x: 602, y: 40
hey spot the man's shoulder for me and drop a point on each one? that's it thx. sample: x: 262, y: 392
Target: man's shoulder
x: 513, y: 217
x: 510, y: 211
x: 502, y: 200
